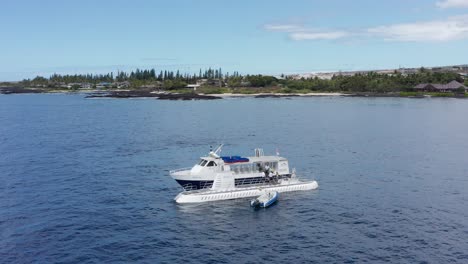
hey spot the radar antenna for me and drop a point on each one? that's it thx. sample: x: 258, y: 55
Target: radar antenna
x: 216, y: 152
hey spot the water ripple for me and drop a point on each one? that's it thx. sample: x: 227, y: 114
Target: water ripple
x: 86, y: 181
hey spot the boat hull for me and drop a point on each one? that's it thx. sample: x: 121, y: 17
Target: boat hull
x: 243, y: 192
x: 264, y: 203
x: 271, y: 201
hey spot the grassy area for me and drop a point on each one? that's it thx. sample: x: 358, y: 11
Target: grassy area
x: 294, y: 91
x: 213, y: 90
x: 245, y: 90
x: 182, y: 91
x: 275, y: 90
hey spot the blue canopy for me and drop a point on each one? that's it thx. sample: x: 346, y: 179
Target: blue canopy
x: 233, y: 159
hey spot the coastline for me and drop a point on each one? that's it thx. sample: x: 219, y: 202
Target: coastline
x: 273, y: 95
x: 164, y: 95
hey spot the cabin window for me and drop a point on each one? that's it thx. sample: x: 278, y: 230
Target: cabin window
x: 211, y: 164
x: 202, y: 162
x: 274, y: 165
x: 259, y: 167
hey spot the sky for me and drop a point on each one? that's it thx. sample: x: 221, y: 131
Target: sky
x: 249, y: 36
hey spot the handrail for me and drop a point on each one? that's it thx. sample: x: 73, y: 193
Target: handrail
x: 250, y: 187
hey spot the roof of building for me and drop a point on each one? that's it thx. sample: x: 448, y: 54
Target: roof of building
x: 449, y: 86
x: 421, y: 86
x: 453, y: 85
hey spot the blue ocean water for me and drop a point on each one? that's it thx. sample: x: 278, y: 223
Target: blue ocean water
x: 86, y: 180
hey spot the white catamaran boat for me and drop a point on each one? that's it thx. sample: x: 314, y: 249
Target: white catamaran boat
x: 218, y: 177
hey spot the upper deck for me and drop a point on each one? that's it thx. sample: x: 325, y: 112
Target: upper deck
x: 240, y: 159
x: 254, y: 166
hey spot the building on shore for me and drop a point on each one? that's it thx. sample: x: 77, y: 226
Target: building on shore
x: 193, y: 86
x: 435, y: 87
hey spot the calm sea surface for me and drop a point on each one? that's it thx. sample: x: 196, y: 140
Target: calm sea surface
x: 86, y: 180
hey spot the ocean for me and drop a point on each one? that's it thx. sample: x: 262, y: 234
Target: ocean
x: 86, y: 180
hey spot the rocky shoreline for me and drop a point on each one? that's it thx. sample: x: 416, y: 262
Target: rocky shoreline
x: 194, y: 96
x: 20, y: 90
x: 149, y: 94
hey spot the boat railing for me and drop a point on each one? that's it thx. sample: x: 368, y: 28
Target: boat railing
x: 259, y: 185
x: 206, y: 185
x: 202, y: 187
x: 261, y: 181
x: 189, y: 187
x: 179, y: 170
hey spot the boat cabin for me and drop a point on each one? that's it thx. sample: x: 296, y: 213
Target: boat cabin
x: 241, y: 165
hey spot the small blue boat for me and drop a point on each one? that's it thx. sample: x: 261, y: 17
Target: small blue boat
x: 266, y: 199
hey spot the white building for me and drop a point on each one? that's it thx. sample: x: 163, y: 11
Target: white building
x: 193, y: 86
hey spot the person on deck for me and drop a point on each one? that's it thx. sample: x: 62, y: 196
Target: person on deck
x: 267, y: 171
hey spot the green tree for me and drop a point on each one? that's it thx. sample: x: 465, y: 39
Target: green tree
x: 460, y: 90
x: 234, y: 81
x: 178, y: 84
x: 168, y: 85
x: 39, y: 80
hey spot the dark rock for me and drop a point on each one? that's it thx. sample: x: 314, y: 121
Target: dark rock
x: 160, y: 96
x: 275, y: 95
x: 186, y: 97
x: 19, y: 90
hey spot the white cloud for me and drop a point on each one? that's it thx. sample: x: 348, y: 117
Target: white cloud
x: 452, y: 3
x: 283, y: 27
x: 318, y: 35
x: 452, y: 28
x: 298, y: 32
